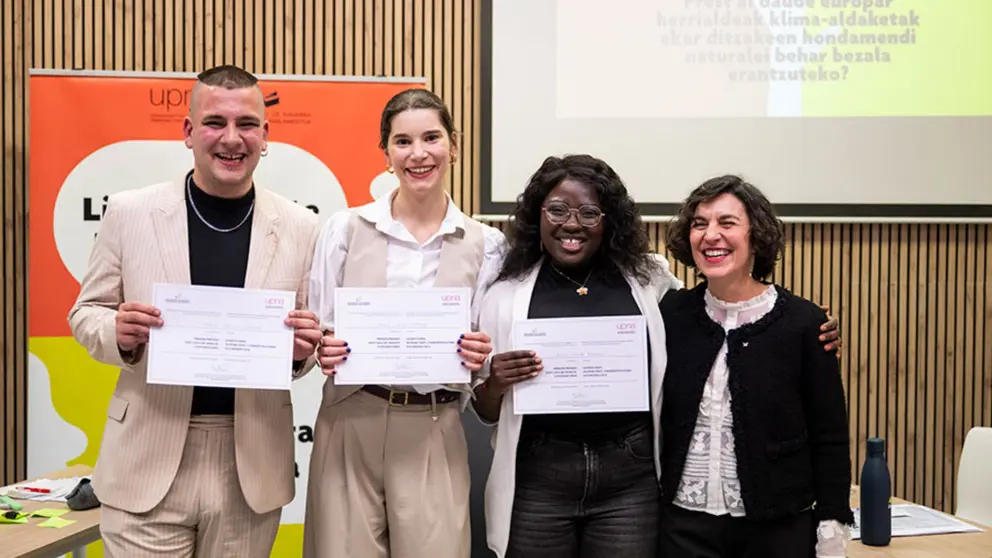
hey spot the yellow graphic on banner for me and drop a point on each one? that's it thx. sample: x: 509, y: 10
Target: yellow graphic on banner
x: 893, y: 57
x: 80, y: 389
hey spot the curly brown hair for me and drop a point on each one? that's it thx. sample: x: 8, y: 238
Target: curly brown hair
x: 767, y: 234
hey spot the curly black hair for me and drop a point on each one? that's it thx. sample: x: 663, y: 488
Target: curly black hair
x: 625, y: 241
x: 767, y: 234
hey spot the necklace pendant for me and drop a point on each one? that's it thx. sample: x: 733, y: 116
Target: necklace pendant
x: 582, y: 291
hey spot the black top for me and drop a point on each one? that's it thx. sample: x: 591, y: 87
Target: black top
x: 787, y: 402
x: 219, y: 259
x: 555, y: 296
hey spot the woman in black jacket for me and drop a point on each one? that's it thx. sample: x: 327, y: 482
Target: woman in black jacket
x: 756, y: 460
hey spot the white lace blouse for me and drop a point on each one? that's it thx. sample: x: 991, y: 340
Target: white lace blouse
x: 709, y: 480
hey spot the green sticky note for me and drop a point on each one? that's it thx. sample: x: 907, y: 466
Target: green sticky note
x: 48, y: 512
x: 13, y: 517
x: 56, y: 522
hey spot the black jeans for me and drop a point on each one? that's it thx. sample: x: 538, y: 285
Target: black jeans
x: 586, y: 500
x: 691, y: 534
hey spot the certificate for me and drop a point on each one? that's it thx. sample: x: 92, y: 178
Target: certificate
x: 221, y: 337
x: 590, y: 365
x: 402, y: 336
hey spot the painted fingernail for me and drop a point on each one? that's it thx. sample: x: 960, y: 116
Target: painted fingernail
x: 459, y: 341
x: 462, y: 336
x: 349, y: 349
x: 459, y: 349
x: 344, y: 358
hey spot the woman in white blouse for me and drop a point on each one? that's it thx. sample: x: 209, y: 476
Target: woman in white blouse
x: 755, y: 457
x: 389, y: 468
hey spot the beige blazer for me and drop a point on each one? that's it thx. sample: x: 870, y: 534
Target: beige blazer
x: 508, y: 302
x: 143, y: 240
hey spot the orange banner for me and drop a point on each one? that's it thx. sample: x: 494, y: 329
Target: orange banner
x: 93, y: 135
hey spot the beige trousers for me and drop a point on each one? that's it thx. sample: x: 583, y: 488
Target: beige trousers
x: 387, y: 482
x: 204, y: 514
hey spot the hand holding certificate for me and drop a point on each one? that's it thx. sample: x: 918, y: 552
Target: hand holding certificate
x: 589, y: 365
x: 510, y: 367
x: 401, y: 336
x: 221, y: 337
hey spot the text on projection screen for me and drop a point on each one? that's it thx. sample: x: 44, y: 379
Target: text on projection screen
x: 816, y: 101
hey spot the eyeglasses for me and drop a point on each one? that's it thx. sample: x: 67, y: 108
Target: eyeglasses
x: 559, y: 213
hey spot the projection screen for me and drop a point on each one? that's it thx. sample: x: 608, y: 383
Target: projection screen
x: 836, y: 109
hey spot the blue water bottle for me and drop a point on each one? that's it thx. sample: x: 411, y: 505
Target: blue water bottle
x: 876, y: 491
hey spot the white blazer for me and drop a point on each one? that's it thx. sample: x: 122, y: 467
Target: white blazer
x: 509, y: 301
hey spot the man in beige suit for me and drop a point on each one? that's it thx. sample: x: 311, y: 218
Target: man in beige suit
x: 187, y: 471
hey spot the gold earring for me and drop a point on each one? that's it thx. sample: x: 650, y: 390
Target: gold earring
x: 389, y: 169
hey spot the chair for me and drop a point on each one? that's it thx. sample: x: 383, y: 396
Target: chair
x: 974, y: 480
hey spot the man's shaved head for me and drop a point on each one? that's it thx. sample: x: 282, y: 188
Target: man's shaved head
x: 227, y: 77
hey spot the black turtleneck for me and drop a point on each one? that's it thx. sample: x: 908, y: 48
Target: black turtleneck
x: 555, y: 296
x: 218, y: 259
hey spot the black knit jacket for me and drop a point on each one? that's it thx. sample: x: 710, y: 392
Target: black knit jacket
x: 787, y: 401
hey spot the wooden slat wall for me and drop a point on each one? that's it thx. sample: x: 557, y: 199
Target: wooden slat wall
x: 13, y: 239
x: 915, y: 301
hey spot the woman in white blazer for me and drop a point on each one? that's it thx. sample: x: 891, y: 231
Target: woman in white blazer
x: 578, y: 484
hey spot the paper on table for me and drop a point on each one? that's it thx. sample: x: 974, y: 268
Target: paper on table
x: 221, y: 337
x: 43, y: 490
x: 57, y: 522
x: 910, y: 520
x: 48, y: 512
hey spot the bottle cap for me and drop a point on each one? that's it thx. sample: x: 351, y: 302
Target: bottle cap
x: 875, y: 446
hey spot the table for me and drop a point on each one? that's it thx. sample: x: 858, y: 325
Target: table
x: 31, y: 541
x: 959, y: 545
